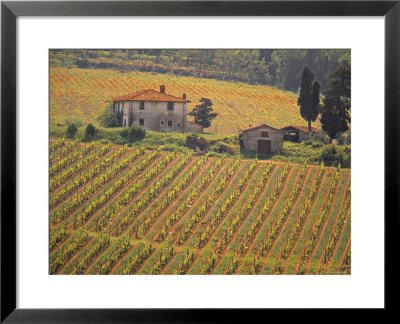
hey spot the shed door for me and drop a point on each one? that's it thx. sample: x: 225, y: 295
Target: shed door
x: 264, y: 146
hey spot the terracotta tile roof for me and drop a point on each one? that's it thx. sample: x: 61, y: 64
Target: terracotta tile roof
x: 149, y: 95
x: 257, y: 126
x: 301, y: 128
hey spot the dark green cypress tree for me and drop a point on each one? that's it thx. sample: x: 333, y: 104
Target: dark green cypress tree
x: 336, y: 112
x: 309, y: 97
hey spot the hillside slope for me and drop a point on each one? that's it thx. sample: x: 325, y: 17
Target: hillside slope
x: 80, y: 94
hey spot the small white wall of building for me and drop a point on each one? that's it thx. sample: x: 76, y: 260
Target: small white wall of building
x: 251, y: 137
x: 155, y: 116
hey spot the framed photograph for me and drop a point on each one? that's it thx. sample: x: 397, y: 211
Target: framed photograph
x: 164, y: 158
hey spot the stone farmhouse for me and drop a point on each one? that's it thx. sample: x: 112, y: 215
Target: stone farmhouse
x: 262, y: 139
x: 155, y: 111
x: 296, y: 133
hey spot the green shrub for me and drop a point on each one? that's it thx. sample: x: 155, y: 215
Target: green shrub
x: 222, y: 147
x: 202, y: 143
x: 344, y: 138
x: 332, y: 155
x: 124, y: 133
x: 318, y: 137
x: 76, y: 121
x: 71, y: 130
x: 136, y: 133
x: 191, y: 140
x: 317, y: 144
x: 104, y: 141
x: 308, y: 142
x: 176, y: 148
x: 90, y: 133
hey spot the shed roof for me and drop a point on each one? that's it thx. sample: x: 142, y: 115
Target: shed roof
x: 301, y: 128
x: 258, y: 126
x: 149, y: 95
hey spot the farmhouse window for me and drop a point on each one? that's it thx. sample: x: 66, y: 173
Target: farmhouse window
x: 162, y: 122
x: 264, y: 134
x: 131, y: 105
x: 179, y: 125
x: 141, y: 122
x: 170, y: 106
x: 169, y: 123
x: 141, y: 105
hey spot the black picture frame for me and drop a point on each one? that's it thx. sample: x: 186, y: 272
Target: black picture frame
x: 10, y: 10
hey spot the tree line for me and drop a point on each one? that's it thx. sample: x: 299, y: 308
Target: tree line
x: 335, y: 111
x: 276, y: 67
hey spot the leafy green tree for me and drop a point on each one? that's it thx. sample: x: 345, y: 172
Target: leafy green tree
x: 71, y: 130
x: 337, y: 102
x: 90, y: 133
x: 309, y: 97
x: 203, y: 114
x: 191, y: 140
x: 108, y: 117
x: 334, y: 155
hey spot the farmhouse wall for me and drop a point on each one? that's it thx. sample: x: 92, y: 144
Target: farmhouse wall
x: 155, y: 116
x: 251, y: 137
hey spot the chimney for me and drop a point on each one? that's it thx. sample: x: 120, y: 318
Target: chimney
x: 184, y: 96
x: 162, y: 88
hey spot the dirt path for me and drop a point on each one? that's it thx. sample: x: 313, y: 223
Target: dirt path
x: 203, y: 218
x: 317, y: 241
x: 116, y: 265
x: 327, y: 263
x: 264, y: 258
x: 64, y: 156
x: 228, y: 213
x: 74, y: 256
x: 272, y: 208
x: 199, y: 197
x: 97, y: 257
x: 60, y: 243
x: 176, y: 200
x: 246, y: 217
x: 135, y: 197
x: 166, y: 265
x: 342, y: 263
x: 113, y: 198
x: 251, y: 245
x: 321, y: 208
x: 164, y: 193
x: 144, y: 262
x: 335, y: 248
x: 256, y: 202
x: 151, y: 201
x: 64, y: 183
x: 97, y: 191
x: 179, y: 248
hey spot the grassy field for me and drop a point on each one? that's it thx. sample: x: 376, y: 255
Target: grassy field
x: 78, y: 95
x: 218, y: 145
x: 127, y: 210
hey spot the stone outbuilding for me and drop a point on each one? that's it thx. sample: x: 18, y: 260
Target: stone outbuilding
x: 156, y: 111
x: 296, y: 133
x: 262, y: 139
